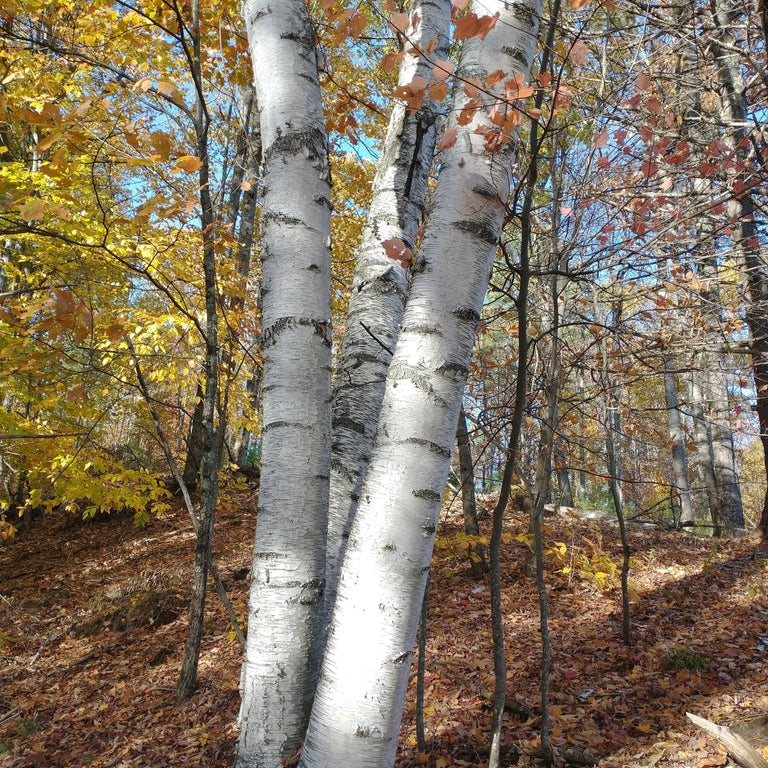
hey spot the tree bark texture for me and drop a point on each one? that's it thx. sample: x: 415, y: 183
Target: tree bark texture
x: 677, y: 437
x: 380, y: 283
x: 741, y: 209
x: 287, y: 578
x: 361, y: 692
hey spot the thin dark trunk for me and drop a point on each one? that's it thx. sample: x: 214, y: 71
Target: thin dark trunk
x: 195, y: 443
x: 212, y: 434
x: 618, y: 508
x: 516, y: 427
x: 475, y: 549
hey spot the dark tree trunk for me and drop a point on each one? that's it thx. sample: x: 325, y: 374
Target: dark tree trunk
x: 475, y: 549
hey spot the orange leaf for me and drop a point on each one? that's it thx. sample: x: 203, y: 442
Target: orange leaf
x: 496, y: 76
x: 471, y: 25
x: 468, y: 112
x: 438, y: 91
x: 577, y: 5
x: 519, y: 92
x: 32, y: 209
x: 188, y: 164
x: 472, y: 86
x: 399, y: 22
x: 442, y: 70
x: 448, y: 139
x: 391, y: 60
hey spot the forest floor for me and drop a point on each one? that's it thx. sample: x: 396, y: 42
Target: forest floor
x: 93, y: 619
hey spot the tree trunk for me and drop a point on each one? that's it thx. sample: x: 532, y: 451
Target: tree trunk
x: 475, y: 551
x: 677, y: 437
x: 563, y: 479
x: 211, y: 434
x: 361, y: 692
x: 703, y: 443
x: 741, y: 210
x: 285, y: 634
x: 380, y: 283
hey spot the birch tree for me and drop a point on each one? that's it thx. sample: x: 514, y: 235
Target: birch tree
x: 380, y: 282
x: 358, y: 706
x: 287, y: 576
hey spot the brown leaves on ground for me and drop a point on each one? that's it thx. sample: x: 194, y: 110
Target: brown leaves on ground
x: 93, y: 619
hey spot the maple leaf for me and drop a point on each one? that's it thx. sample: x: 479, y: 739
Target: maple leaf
x: 399, y: 22
x: 397, y: 250
x: 442, y: 69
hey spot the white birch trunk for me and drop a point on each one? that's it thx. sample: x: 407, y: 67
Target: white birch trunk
x: 380, y: 283
x: 361, y: 692
x: 287, y: 577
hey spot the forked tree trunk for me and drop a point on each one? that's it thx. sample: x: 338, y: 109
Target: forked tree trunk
x: 380, y: 283
x: 361, y: 692
x: 287, y: 578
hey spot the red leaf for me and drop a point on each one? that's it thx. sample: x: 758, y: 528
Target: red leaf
x: 471, y: 25
x: 642, y: 82
x: 397, y: 250
x: 601, y: 139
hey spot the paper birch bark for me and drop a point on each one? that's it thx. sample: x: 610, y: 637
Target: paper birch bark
x: 287, y: 577
x: 361, y: 692
x: 380, y: 283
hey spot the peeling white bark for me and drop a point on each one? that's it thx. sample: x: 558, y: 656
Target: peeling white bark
x: 380, y: 283
x: 359, y: 701
x: 287, y: 577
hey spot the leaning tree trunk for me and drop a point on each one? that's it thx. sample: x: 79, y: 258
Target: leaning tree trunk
x: 361, y: 692
x: 380, y: 283
x: 287, y: 578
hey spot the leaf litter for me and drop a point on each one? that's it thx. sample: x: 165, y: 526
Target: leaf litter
x: 93, y: 618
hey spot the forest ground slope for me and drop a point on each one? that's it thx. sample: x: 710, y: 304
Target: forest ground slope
x: 93, y: 618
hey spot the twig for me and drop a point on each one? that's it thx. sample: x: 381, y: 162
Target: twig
x: 220, y: 591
